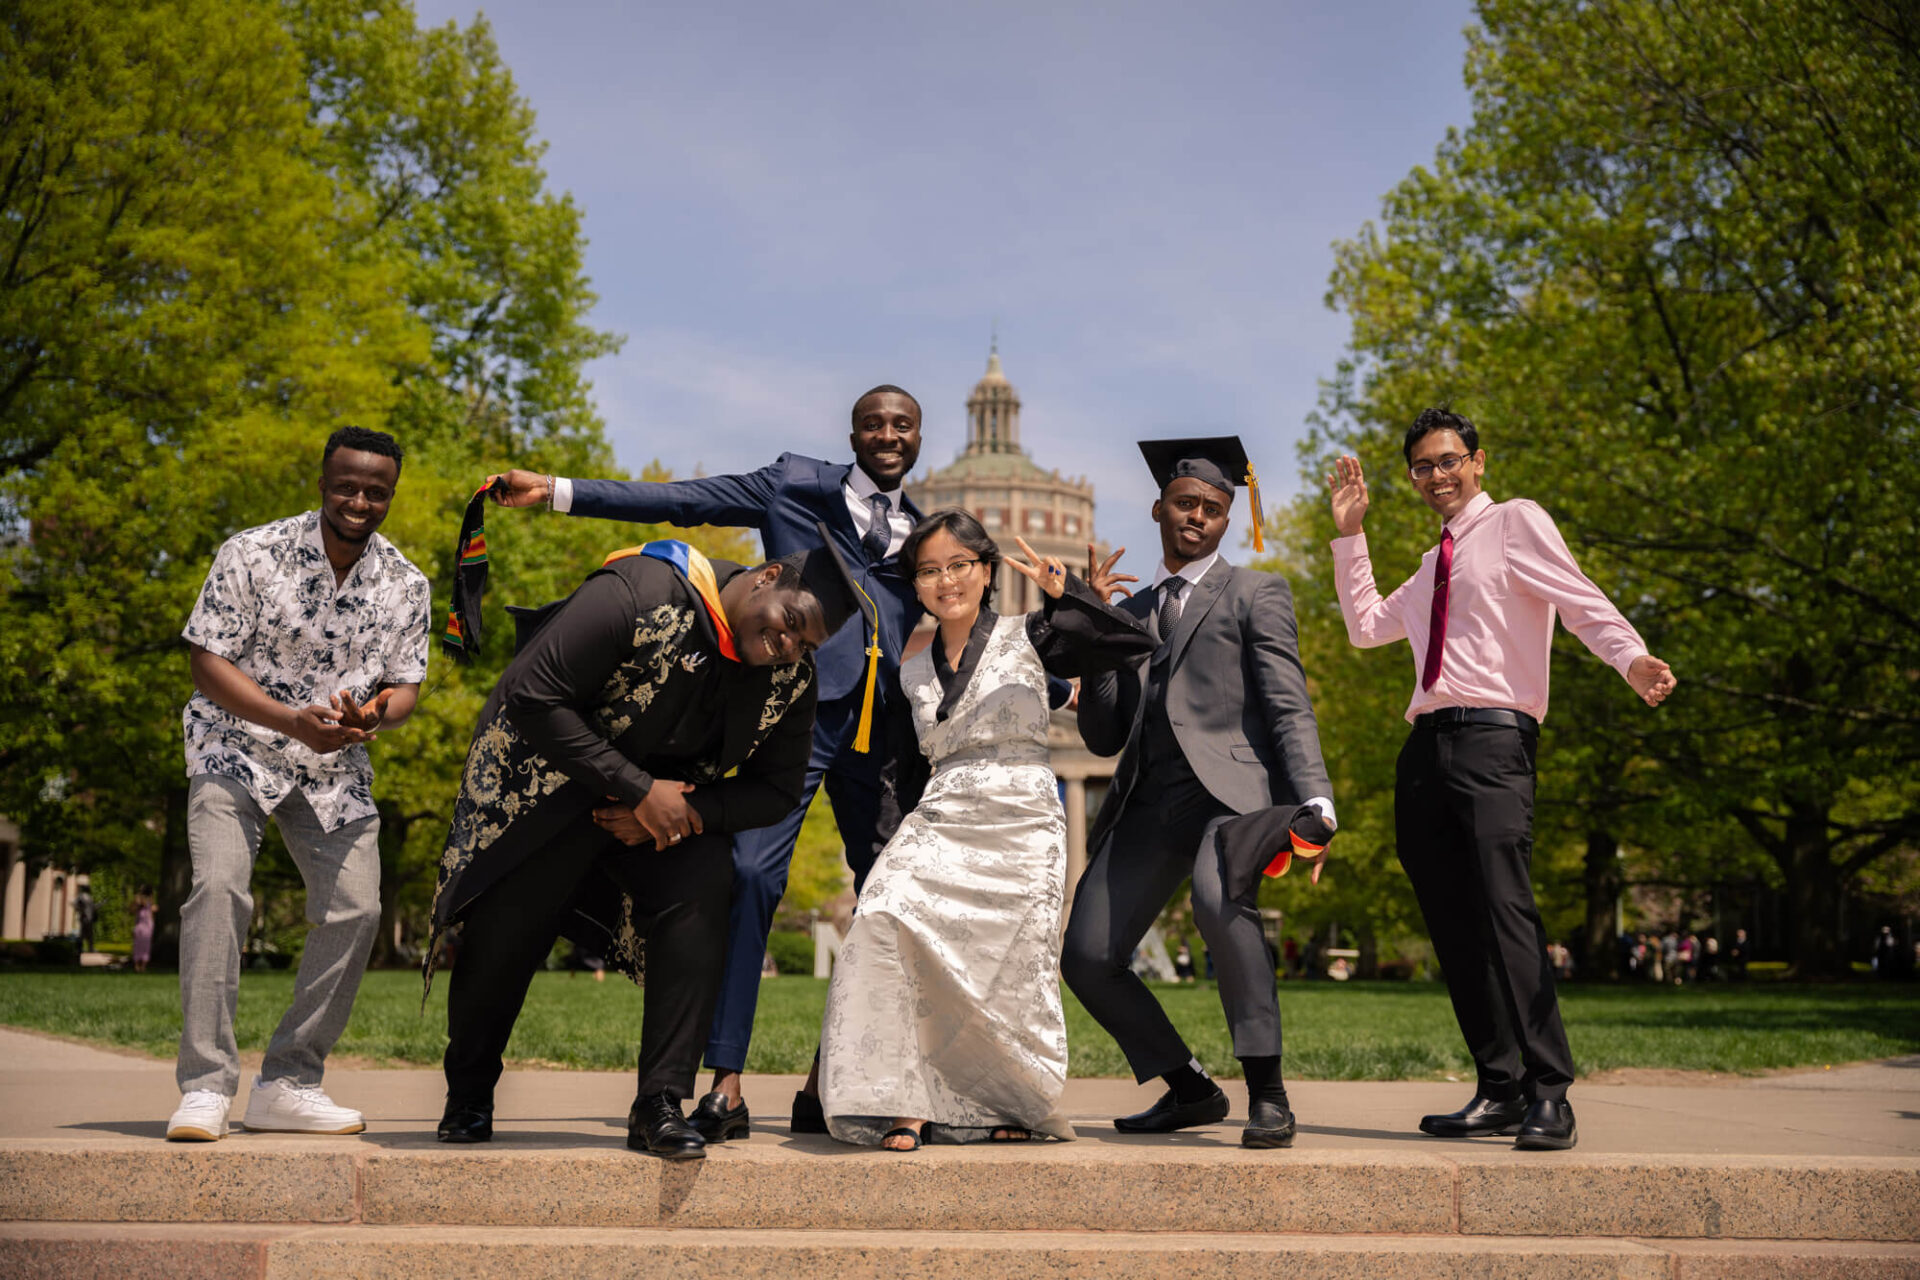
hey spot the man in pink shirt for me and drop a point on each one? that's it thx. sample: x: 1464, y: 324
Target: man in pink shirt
x: 1478, y: 616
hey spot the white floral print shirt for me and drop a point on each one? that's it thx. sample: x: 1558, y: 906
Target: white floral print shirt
x: 269, y: 606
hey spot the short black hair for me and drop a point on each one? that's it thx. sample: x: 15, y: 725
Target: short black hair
x: 883, y: 389
x: 366, y: 440
x: 792, y: 572
x: 1442, y: 418
x: 966, y: 531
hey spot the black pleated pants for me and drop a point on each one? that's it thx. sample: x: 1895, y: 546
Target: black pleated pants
x: 680, y: 906
x: 1463, y: 816
x: 1167, y: 833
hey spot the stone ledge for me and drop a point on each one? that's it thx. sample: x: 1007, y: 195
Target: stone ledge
x: 216, y: 1252
x: 1080, y: 1186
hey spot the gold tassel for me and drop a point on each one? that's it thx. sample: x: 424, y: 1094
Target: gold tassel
x: 863, y: 736
x: 1259, y: 517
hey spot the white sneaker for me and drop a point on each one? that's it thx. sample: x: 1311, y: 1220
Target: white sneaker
x: 202, y: 1117
x: 283, y: 1106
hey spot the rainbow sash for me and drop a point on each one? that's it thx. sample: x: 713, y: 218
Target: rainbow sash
x: 1295, y: 846
x: 698, y: 571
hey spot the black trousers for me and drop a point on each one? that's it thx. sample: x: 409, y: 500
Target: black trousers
x: 1166, y: 835
x: 1463, y: 817
x: 680, y: 906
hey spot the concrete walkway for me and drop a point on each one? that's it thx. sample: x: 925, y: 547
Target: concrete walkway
x: 52, y: 1088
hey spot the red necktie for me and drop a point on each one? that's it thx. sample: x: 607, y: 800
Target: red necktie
x: 1437, y: 620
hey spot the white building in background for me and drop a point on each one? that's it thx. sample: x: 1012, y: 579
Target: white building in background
x: 36, y: 904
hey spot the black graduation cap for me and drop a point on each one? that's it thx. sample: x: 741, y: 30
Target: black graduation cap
x: 1265, y: 842
x: 1220, y: 461
x: 834, y: 584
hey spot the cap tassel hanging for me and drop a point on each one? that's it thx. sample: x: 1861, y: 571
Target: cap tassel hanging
x: 1259, y: 517
x: 863, y: 736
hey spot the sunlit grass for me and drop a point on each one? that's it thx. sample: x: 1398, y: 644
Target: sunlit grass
x: 1333, y: 1031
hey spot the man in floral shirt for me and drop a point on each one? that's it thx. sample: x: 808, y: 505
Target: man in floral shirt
x: 309, y: 637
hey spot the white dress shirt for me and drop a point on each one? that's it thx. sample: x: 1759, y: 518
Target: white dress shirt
x: 860, y: 489
x: 1190, y: 574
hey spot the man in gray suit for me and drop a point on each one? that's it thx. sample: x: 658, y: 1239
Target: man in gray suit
x: 1217, y: 722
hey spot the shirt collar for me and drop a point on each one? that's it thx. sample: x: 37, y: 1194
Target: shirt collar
x: 1191, y: 574
x: 861, y: 486
x: 1470, y: 514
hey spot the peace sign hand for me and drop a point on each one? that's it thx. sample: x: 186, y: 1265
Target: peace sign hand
x: 1045, y: 571
x: 1102, y: 578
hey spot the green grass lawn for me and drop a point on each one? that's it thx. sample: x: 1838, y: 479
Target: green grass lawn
x: 1335, y: 1031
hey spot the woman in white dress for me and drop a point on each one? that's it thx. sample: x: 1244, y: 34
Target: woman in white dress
x: 945, y: 1002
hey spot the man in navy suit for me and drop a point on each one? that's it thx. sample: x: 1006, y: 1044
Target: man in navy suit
x: 869, y: 515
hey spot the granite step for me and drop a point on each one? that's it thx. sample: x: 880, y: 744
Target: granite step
x: 789, y: 1183
x: 216, y: 1252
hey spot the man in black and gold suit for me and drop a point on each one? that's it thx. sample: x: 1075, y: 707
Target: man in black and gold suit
x: 665, y: 705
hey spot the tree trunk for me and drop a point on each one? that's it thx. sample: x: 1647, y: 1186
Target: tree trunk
x: 176, y: 880
x: 1603, y: 879
x: 1813, y: 895
x: 1369, y: 952
x: 393, y: 843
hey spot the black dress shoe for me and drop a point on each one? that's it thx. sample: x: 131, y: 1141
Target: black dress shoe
x: 655, y: 1125
x: 1168, y: 1114
x: 1269, y: 1124
x: 807, y: 1115
x: 1548, y: 1127
x: 466, y: 1122
x: 1480, y: 1118
x: 716, y: 1121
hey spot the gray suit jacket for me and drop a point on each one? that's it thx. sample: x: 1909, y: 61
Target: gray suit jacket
x: 1236, y: 698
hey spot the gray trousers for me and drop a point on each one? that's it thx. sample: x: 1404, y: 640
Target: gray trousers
x: 1166, y: 835
x: 341, y: 869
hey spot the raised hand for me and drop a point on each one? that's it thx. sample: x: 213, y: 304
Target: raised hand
x: 1347, y: 489
x: 1046, y: 571
x: 1651, y: 678
x: 522, y: 489
x: 1104, y: 581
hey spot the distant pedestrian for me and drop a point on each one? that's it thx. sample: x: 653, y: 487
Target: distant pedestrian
x: 1886, y: 955
x: 143, y: 928
x: 85, y: 913
x: 1183, y: 963
x: 1737, y: 956
x: 1710, y: 959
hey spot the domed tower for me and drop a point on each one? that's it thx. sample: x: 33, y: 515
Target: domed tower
x: 1008, y: 492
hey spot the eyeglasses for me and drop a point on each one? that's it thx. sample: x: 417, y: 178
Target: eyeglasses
x: 953, y: 572
x: 1447, y: 466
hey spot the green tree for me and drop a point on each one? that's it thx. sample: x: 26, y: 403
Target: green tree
x: 1673, y: 269
x: 185, y: 305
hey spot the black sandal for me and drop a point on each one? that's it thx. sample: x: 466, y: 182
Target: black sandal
x: 918, y: 1135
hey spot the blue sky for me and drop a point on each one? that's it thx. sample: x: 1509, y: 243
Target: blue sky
x: 787, y: 204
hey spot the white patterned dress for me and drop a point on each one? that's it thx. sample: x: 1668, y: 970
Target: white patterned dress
x: 945, y: 1001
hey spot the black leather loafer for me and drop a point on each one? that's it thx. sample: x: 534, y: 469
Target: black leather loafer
x: 1483, y: 1117
x: 716, y: 1121
x: 466, y: 1122
x: 1548, y: 1127
x: 1268, y: 1125
x: 655, y: 1126
x: 1167, y: 1114
x: 807, y: 1115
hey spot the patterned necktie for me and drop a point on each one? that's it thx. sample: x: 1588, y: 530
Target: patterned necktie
x: 879, y: 530
x: 1169, y: 606
x: 1437, y: 620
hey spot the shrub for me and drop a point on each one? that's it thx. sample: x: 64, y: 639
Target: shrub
x: 792, y: 951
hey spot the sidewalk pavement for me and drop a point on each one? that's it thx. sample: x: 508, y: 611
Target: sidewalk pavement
x: 53, y: 1088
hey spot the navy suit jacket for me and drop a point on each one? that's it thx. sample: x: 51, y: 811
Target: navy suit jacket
x: 783, y: 501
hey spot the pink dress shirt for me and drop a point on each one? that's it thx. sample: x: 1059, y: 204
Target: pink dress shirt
x: 1511, y: 572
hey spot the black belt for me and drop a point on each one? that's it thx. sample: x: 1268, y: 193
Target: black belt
x: 1453, y: 717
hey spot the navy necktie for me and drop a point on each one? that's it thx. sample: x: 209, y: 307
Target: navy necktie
x: 879, y: 530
